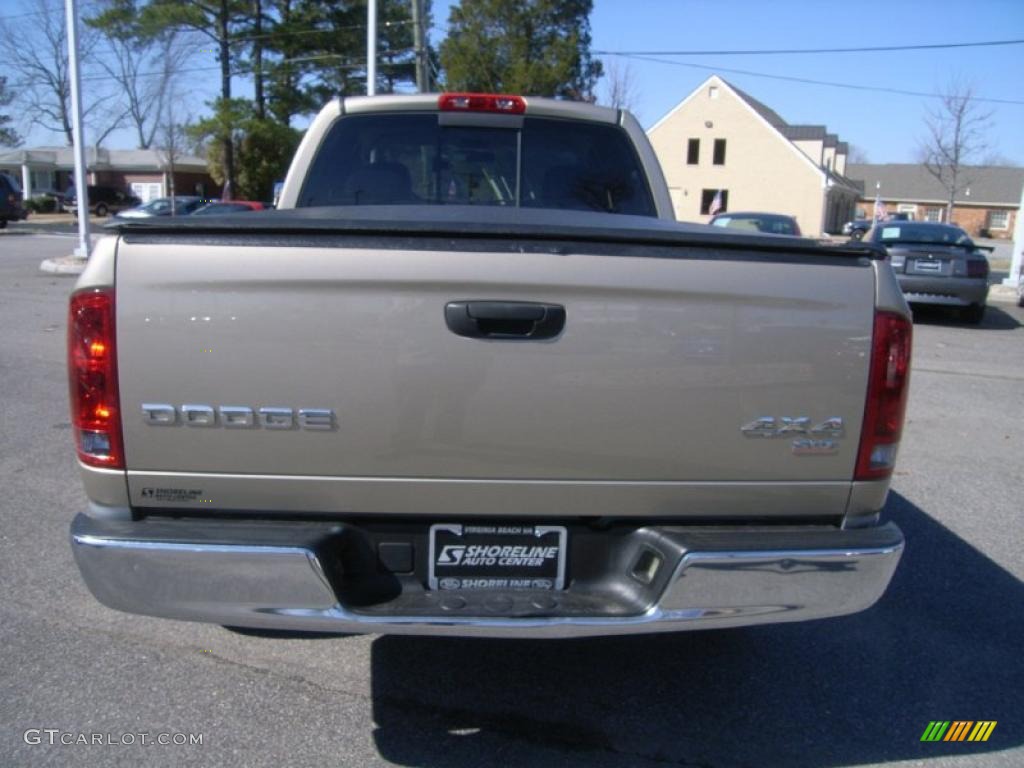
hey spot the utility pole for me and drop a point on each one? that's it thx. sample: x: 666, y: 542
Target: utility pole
x: 371, y: 48
x: 77, y: 133
x: 422, y: 75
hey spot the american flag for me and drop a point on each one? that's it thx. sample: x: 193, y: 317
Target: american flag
x: 880, y: 213
x: 716, y: 204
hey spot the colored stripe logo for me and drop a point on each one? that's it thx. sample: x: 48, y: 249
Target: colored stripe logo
x: 959, y: 730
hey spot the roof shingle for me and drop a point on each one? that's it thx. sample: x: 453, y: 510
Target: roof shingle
x: 912, y: 183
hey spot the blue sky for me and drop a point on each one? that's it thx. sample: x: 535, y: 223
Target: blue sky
x: 888, y: 127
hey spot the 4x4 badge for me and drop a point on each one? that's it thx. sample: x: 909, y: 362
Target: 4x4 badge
x: 791, y: 426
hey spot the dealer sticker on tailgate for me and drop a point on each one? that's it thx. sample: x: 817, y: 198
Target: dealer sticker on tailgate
x: 497, y: 556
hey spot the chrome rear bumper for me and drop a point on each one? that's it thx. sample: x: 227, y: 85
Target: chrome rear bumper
x: 280, y: 576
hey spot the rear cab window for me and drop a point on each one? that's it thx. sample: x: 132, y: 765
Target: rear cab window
x: 891, y: 232
x: 416, y: 159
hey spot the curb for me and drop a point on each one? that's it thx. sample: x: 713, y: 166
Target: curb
x: 65, y: 265
x: 1004, y: 294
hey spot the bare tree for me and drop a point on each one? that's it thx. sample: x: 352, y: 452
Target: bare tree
x: 620, y: 89
x: 858, y: 154
x: 35, y: 48
x: 999, y: 159
x: 142, y: 64
x: 956, y: 136
x: 171, y: 141
x: 8, y: 136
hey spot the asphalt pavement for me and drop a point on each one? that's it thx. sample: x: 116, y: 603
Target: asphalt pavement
x: 944, y: 643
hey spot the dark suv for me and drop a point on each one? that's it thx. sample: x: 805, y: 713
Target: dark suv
x: 104, y: 201
x: 11, y: 208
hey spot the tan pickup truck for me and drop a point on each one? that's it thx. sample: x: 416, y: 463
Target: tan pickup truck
x: 472, y: 379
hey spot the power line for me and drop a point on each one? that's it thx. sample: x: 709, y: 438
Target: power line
x: 236, y: 72
x: 232, y: 40
x: 776, y: 51
x: 808, y: 81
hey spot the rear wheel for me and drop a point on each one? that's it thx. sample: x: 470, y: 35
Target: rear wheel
x: 3, y: 223
x: 102, y: 210
x: 856, y: 234
x: 973, y: 314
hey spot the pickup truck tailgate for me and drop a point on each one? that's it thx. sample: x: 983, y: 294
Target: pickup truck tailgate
x: 635, y: 408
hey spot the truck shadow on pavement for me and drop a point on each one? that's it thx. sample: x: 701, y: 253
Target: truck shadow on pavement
x: 944, y: 643
x: 995, y: 319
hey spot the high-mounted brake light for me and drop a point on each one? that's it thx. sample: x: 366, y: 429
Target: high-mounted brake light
x: 481, y: 102
x: 92, y: 374
x: 888, y: 385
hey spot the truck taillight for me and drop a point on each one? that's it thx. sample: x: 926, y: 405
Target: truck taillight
x: 481, y: 102
x: 888, y: 384
x: 92, y: 373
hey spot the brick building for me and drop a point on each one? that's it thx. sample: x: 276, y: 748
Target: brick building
x: 986, y: 208
x: 144, y: 172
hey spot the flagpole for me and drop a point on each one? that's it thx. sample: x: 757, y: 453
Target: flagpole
x: 371, y: 48
x: 77, y: 132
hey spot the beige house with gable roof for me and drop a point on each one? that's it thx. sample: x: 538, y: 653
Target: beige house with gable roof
x: 720, y: 139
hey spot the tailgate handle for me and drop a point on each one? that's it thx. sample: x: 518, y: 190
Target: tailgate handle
x: 504, y: 319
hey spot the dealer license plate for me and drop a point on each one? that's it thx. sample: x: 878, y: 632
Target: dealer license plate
x: 497, y: 556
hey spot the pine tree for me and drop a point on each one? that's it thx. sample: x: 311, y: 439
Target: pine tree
x: 535, y: 47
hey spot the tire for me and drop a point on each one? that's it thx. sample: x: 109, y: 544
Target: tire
x: 973, y: 314
x: 857, y: 234
x: 102, y: 210
x: 3, y: 223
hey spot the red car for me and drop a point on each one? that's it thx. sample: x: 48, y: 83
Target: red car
x: 218, y: 208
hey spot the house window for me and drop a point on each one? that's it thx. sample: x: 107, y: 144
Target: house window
x: 693, y: 152
x: 719, y: 156
x: 910, y: 208
x: 707, y: 197
x: 713, y: 92
x: 42, y: 181
x: 933, y: 213
x: 146, y: 191
x: 998, y: 219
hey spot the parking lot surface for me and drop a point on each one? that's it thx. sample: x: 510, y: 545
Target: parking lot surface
x: 943, y: 644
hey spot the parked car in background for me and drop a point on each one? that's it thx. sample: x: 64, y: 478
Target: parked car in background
x: 857, y: 228
x: 936, y: 264
x: 218, y: 208
x: 11, y: 207
x: 103, y: 200
x: 771, y: 223
x: 161, y: 206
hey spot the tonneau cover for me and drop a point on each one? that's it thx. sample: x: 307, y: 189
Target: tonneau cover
x: 489, y: 222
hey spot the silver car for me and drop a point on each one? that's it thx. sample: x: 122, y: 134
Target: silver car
x: 936, y: 264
